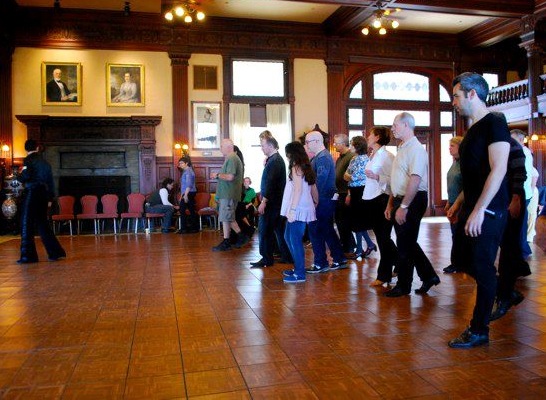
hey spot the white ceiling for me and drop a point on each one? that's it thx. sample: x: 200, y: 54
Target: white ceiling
x: 277, y: 10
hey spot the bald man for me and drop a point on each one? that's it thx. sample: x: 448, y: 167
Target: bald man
x: 228, y: 193
x: 322, y: 230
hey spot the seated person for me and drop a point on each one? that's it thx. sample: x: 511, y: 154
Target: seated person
x: 248, y: 200
x: 158, y: 202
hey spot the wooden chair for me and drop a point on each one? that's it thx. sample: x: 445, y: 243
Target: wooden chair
x: 66, y: 211
x: 109, y: 210
x: 202, y: 205
x: 135, y: 209
x: 89, y: 211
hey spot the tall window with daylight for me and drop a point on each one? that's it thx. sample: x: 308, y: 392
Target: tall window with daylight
x: 258, y: 78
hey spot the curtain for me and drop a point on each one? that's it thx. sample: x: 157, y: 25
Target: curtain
x: 278, y: 120
x: 239, y: 123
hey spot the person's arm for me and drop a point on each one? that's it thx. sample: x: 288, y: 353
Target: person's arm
x: 164, y: 194
x: 411, y: 191
x: 498, y: 161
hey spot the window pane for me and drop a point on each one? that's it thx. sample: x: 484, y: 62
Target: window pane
x: 354, y: 132
x: 356, y: 116
x: 446, y: 118
x: 446, y: 160
x: 258, y: 78
x: 356, y: 93
x: 386, y: 117
x: 400, y: 86
x: 492, y: 80
x: 444, y: 95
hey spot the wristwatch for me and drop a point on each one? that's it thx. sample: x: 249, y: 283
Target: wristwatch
x: 403, y: 206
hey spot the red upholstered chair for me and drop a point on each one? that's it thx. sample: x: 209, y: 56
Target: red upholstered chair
x: 89, y: 211
x: 134, y: 210
x: 66, y: 211
x: 202, y: 205
x: 109, y: 210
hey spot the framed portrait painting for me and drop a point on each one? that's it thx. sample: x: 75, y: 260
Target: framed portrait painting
x: 125, y: 85
x: 61, y: 84
x: 207, y: 128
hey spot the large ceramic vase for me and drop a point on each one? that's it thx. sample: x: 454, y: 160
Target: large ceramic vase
x: 9, y: 207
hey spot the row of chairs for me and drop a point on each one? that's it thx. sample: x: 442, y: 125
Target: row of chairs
x: 135, y: 211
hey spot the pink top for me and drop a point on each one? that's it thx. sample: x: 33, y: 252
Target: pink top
x: 305, y: 210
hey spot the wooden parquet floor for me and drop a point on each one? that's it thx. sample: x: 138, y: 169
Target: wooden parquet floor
x: 162, y: 317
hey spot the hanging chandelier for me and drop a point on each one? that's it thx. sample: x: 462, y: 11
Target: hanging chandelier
x: 382, y: 20
x: 186, y: 10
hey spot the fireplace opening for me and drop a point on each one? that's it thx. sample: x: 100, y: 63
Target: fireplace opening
x: 79, y: 186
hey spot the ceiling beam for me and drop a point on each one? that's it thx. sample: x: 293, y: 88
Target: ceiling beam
x: 487, y: 8
x: 490, y: 32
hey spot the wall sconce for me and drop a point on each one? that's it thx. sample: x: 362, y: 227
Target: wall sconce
x: 183, y: 148
x: 127, y: 9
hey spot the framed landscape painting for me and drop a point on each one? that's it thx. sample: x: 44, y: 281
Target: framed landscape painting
x: 61, y: 84
x: 207, y: 128
x: 125, y: 85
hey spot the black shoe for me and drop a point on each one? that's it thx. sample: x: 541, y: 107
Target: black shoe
x: 450, y: 269
x: 27, y: 260
x: 516, y: 297
x: 500, y: 309
x: 397, y: 291
x: 425, y: 287
x: 57, y: 257
x: 241, y: 240
x: 260, y: 264
x: 224, y: 245
x: 467, y: 340
x: 339, y: 265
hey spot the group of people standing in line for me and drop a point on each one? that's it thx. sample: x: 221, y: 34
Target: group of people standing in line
x: 486, y: 195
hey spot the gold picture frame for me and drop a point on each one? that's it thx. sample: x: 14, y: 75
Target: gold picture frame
x: 207, y: 125
x: 61, y: 84
x: 125, y: 85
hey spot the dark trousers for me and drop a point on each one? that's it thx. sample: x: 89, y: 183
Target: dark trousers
x: 382, y: 228
x: 525, y: 248
x: 511, y: 261
x: 322, y: 233
x: 410, y: 253
x: 343, y: 222
x: 188, y: 221
x: 34, y: 214
x: 476, y: 255
x: 271, y: 227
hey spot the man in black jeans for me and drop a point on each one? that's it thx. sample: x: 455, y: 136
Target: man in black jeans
x: 407, y: 204
x: 484, y: 158
x: 271, y: 223
x: 38, y: 194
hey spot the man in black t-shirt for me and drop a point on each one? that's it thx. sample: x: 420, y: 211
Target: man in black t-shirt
x: 483, y: 159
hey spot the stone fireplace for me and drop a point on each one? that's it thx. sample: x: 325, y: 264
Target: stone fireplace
x: 98, y: 155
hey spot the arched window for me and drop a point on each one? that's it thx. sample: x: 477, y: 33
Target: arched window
x: 377, y: 96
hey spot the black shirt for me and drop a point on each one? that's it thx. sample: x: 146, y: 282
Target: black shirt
x: 38, y: 172
x: 273, y: 180
x: 474, y: 159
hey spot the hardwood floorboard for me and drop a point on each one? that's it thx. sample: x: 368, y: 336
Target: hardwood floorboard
x: 161, y: 316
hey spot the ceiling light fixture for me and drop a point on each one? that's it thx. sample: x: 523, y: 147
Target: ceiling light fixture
x: 382, y: 20
x: 187, y: 11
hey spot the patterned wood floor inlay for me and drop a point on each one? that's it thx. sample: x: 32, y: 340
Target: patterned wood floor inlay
x: 160, y: 316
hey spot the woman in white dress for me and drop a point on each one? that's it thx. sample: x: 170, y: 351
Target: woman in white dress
x: 128, y: 92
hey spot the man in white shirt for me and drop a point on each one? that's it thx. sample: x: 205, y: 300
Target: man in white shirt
x: 407, y: 205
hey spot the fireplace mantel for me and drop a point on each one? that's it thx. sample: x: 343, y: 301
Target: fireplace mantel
x: 98, y: 134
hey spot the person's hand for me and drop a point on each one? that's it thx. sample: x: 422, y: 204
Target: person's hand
x: 446, y: 207
x: 515, y: 207
x: 473, y: 226
x: 176, y: 207
x: 348, y: 199
x: 388, y: 212
x: 291, y: 216
x: 186, y: 198
x: 370, y: 174
x: 400, y: 215
x: 261, y: 208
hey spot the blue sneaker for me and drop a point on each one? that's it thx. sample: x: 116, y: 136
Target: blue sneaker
x: 288, y: 272
x: 293, y: 279
x: 315, y: 269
